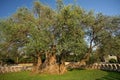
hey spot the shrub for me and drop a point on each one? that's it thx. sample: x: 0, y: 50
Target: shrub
x: 8, y: 61
x: 112, y: 61
x: 26, y: 60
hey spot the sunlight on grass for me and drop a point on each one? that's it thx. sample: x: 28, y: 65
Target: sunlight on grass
x: 70, y: 75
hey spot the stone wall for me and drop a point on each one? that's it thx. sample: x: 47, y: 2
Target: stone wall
x: 25, y: 67
x: 101, y: 66
x: 105, y: 66
x: 14, y: 68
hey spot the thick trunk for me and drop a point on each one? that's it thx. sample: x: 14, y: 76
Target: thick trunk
x: 50, y: 65
x: 39, y: 62
x: 62, y: 68
x: 36, y: 69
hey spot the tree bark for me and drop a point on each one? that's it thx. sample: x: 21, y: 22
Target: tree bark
x: 37, y: 68
x: 50, y: 65
x: 87, y: 55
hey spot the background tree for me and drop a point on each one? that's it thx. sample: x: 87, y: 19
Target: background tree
x: 96, y: 31
x: 110, y: 46
x: 15, y: 32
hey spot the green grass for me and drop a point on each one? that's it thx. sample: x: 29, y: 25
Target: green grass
x: 70, y: 75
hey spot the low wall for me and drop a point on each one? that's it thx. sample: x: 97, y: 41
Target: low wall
x: 15, y: 68
x: 28, y: 67
x: 101, y: 66
x: 105, y: 66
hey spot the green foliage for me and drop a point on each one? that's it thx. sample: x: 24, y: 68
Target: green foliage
x: 92, y: 59
x: 26, y: 60
x: 7, y: 61
x: 32, y: 32
x: 60, y: 5
x: 111, y: 44
x: 69, y: 32
x: 73, y: 57
x: 112, y: 61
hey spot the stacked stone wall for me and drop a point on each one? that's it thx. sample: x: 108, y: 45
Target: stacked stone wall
x: 105, y: 66
x: 16, y: 68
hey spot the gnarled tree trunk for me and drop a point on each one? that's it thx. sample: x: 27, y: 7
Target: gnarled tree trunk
x: 37, y: 67
x: 50, y: 65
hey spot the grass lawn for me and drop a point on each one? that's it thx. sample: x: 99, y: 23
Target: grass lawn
x: 70, y: 75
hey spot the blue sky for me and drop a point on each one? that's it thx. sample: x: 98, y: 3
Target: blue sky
x: 107, y: 7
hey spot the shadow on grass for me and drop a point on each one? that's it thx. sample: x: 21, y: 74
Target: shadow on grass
x: 71, y: 69
x: 97, y: 74
x: 110, y: 76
